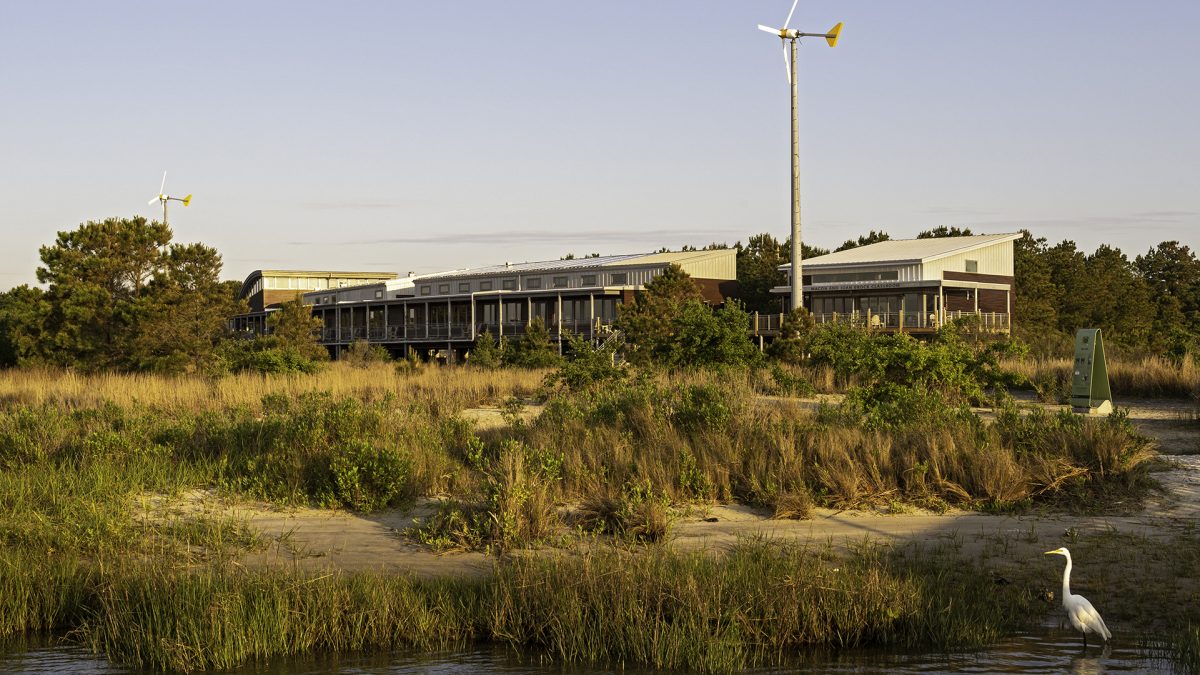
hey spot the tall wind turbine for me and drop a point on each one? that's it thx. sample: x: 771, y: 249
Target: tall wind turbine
x: 790, y: 37
x: 164, y: 198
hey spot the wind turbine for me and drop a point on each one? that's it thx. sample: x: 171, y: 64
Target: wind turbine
x: 792, y: 36
x: 164, y: 198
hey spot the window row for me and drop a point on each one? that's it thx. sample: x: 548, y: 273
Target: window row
x: 531, y: 283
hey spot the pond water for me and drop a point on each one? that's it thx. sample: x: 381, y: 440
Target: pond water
x: 1049, y: 651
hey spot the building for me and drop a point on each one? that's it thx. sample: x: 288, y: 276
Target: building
x: 912, y: 285
x: 265, y: 290
x: 448, y: 310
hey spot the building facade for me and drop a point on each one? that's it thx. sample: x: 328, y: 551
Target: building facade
x: 447, y: 311
x: 913, y: 285
x: 264, y: 290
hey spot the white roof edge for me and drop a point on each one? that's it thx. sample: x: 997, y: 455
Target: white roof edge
x: 999, y: 239
x: 992, y: 240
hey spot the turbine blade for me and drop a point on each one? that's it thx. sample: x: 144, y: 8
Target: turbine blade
x: 154, y: 200
x: 793, y: 11
x: 163, y: 184
x: 787, y: 62
x: 768, y: 29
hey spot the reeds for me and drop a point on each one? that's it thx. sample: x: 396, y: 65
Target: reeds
x: 446, y: 388
x: 1151, y: 376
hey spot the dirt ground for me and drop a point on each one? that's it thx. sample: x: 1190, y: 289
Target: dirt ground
x: 321, y: 539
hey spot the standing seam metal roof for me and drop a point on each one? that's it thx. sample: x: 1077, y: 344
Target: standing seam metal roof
x: 573, y: 264
x: 907, y: 250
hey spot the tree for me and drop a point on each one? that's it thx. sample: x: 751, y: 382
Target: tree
x: 121, y: 296
x: 943, y: 231
x: 295, y: 328
x: 704, y: 337
x: 872, y: 237
x: 758, y: 272
x: 487, y: 352
x: 792, y: 343
x: 648, y: 322
x: 535, y: 349
x: 182, y: 315
x: 1036, y: 297
x: 23, y: 313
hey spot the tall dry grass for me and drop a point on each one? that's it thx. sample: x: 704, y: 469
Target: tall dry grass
x: 1150, y: 376
x: 455, y: 387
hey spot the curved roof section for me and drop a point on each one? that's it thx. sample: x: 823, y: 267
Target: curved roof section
x: 259, y: 274
x: 907, y: 250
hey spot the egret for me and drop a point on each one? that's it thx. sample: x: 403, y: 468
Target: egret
x: 1083, y: 616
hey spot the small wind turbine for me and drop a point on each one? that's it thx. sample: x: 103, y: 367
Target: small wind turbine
x: 163, y: 197
x: 790, y: 35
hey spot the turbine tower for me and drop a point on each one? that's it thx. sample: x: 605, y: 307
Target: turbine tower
x: 164, y: 198
x: 790, y: 39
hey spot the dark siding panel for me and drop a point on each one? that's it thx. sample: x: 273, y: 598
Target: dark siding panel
x: 992, y: 301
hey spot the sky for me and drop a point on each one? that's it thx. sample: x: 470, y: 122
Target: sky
x: 424, y: 136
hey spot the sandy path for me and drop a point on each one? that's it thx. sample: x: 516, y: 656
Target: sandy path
x: 321, y: 538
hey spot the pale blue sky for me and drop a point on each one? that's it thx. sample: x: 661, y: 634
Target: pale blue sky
x: 429, y: 135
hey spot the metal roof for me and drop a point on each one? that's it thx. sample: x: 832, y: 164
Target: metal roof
x: 575, y: 264
x: 907, y: 250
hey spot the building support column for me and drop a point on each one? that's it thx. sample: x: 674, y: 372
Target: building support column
x: 558, y: 320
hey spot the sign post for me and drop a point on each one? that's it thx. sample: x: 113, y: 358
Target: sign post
x: 1090, y: 391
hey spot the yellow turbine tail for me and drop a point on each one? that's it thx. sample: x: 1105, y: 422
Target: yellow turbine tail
x: 832, y: 36
x: 187, y: 200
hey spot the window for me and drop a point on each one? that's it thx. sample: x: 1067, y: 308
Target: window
x: 973, y: 266
x: 485, y: 285
x: 620, y: 279
x: 378, y: 294
x: 508, y: 284
x: 464, y: 287
x: 427, y: 290
x: 533, y: 282
x: 443, y: 289
x: 560, y: 282
x: 589, y: 280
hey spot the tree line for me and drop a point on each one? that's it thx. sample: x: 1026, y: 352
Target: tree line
x: 119, y: 294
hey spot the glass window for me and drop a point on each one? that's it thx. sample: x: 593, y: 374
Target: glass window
x: 427, y: 290
x: 485, y: 285
x: 508, y: 284
x: 620, y: 279
x: 443, y: 289
x: 560, y: 282
x: 972, y: 265
x: 464, y: 287
x: 533, y: 282
x: 378, y: 294
x: 589, y: 280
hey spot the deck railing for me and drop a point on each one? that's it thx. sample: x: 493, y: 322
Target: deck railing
x: 771, y: 324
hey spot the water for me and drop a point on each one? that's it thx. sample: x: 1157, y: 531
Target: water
x: 1050, y: 651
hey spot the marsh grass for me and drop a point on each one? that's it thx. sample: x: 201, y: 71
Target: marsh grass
x: 442, y: 389
x: 1149, y: 377
x: 760, y: 603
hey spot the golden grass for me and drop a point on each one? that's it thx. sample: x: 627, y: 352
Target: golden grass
x: 1148, y: 376
x: 457, y: 387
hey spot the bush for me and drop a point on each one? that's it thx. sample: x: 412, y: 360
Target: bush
x: 261, y: 354
x: 362, y: 354
x: 367, y: 478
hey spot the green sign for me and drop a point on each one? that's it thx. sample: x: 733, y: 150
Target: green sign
x: 1090, y: 392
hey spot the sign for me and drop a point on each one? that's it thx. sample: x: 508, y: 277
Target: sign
x: 1090, y: 392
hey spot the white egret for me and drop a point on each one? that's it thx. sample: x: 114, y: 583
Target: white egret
x: 1083, y: 616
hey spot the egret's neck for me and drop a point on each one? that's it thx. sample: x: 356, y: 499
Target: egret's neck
x: 1067, y: 578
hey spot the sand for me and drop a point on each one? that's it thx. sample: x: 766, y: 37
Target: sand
x: 313, y: 539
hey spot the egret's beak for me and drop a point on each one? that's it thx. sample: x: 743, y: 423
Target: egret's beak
x: 1051, y: 553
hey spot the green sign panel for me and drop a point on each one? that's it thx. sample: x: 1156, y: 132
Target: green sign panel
x: 1090, y: 392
